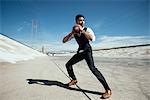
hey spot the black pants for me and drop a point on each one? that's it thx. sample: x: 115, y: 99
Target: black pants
x: 87, y: 55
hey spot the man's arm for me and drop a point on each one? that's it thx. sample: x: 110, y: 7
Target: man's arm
x: 68, y: 37
x: 87, y: 35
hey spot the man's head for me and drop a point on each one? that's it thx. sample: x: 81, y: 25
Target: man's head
x: 80, y: 19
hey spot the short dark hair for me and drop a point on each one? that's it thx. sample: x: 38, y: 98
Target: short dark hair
x: 77, y: 17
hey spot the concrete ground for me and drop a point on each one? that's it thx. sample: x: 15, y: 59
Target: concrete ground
x: 44, y: 78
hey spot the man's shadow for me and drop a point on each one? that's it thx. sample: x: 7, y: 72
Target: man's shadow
x: 60, y: 84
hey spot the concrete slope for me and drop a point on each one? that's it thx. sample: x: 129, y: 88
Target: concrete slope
x: 130, y: 52
x: 12, y: 51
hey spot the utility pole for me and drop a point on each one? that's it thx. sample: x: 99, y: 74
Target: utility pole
x: 34, y: 32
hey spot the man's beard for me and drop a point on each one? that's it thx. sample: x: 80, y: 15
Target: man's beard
x: 82, y: 24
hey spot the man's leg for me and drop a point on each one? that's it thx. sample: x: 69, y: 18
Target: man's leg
x: 95, y: 71
x: 76, y: 58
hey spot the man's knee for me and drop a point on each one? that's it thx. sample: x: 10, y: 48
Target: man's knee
x: 93, y: 69
x: 68, y: 65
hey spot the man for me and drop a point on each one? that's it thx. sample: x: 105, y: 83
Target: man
x: 83, y: 36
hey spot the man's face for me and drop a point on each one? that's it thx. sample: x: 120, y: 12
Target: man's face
x: 80, y: 21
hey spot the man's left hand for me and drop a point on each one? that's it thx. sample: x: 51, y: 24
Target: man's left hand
x: 80, y: 27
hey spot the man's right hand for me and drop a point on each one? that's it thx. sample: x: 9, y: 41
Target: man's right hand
x: 76, y: 29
